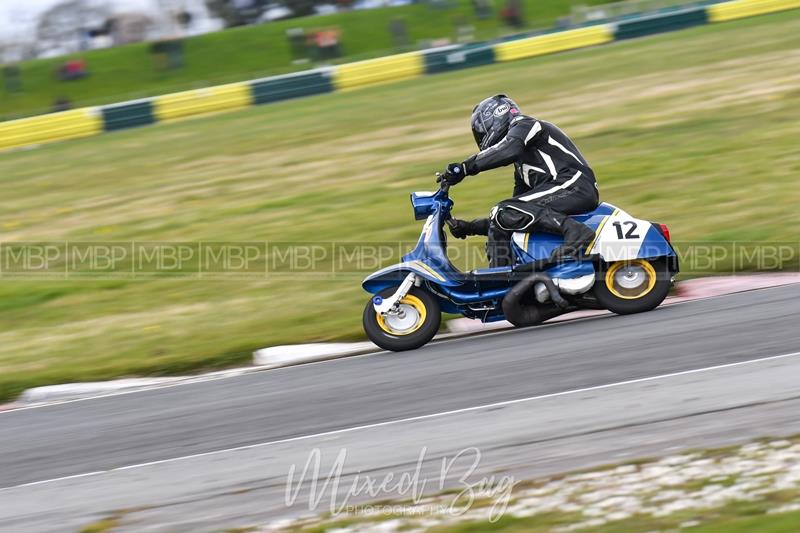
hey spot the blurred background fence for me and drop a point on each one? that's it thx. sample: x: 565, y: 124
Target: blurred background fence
x: 110, y: 63
x: 92, y: 120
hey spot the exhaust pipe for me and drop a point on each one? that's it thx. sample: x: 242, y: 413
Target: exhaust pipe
x: 521, y: 314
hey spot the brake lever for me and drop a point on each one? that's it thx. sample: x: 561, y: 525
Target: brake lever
x: 443, y: 185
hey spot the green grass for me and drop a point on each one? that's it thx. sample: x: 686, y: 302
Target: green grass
x: 697, y: 129
x: 101, y: 526
x: 238, y: 54
x: 734, y: 517
x: 567, y: 502
x: 730, y: 519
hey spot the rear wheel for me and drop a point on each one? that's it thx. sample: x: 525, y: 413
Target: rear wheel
x: 415, y: 323
x: 626, y: 287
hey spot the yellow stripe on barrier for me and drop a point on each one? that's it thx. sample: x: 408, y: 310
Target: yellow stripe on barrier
x: 747, y: 8
x: 201, y: 101
x: 53, y: 127
x: 554, y: 42
x: 380, y: 70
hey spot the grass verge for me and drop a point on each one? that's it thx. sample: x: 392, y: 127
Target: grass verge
x: 752, y: 487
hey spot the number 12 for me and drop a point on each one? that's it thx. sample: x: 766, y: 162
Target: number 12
x: 630, y: 234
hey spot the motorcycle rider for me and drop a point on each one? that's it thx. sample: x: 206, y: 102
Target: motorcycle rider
x: 551, y: 180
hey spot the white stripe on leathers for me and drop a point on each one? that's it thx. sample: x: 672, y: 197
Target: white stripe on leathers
x: 526, y: 169
x: 563, y: 149
x: 549, y: 162
x: 536, y: 128
x: 552, y: 190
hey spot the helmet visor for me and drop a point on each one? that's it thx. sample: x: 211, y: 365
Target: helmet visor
x: 491, y: 139
x: 479, y: 129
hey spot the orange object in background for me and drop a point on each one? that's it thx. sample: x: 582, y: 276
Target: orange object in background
x: 325, y: 43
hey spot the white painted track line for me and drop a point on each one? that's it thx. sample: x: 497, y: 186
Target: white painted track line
x: 422, y: 417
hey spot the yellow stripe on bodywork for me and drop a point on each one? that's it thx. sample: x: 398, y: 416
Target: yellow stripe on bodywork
x: 49, y: 128
x: 201, y: 101
x: 554, y: 42
x: 428, y: 269
x: 747, y: 8
x: 600, y: 230
x: 380, y: 70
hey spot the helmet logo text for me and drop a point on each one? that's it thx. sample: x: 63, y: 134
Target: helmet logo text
x: 501, y: 110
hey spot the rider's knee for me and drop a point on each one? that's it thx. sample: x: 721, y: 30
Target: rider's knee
x: 511, y: 218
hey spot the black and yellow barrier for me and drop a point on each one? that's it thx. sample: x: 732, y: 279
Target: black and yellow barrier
x: 50, y: 128
x: 350, y: 76
x: 457, y: 57
x: 291, y: 86
x: 202, y: 101
x: 748, y: 8
x: 128, y: 115
x: 380, y: 70
x: 553, y: 42
x: 685, y: 18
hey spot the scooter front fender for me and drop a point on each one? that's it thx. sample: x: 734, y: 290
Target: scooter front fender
x: 394, y: 275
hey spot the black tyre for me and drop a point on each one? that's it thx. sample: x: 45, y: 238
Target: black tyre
x: 416, y: 326
x: 627, y: 287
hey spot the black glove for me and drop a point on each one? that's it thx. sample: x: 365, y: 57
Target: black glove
x: 454, y: 173
x: 461, y: 229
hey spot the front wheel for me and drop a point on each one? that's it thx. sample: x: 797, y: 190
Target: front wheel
x: 627, y: 287
x: 416, y: 322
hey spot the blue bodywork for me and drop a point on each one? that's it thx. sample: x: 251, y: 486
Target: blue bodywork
x: 477, y: 293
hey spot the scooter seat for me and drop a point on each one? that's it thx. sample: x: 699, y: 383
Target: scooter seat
x: 540, y: 246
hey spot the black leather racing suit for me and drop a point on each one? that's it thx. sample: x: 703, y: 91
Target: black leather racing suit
x: 551, y: 179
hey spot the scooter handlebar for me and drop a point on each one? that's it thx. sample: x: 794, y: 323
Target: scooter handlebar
x: 443, y: 185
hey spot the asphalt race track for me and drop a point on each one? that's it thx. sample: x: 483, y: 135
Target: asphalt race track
x: 216, y: 454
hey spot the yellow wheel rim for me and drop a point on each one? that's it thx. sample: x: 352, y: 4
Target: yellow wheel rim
x: 631, y: 280
x: 411, y: 307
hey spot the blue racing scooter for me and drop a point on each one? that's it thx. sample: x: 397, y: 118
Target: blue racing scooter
x: 628, y: 268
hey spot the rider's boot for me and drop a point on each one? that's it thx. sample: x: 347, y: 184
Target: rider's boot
x: 576, y: 235
x: 498, y: 247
